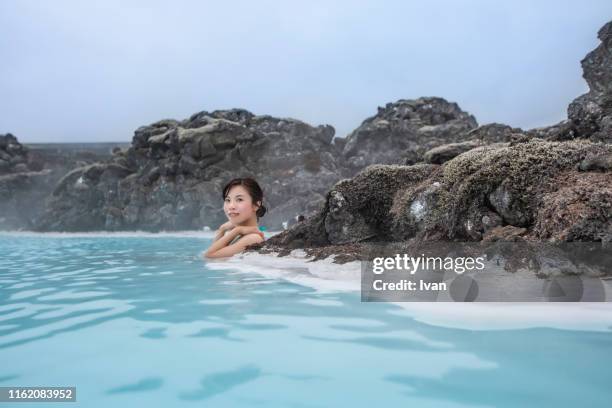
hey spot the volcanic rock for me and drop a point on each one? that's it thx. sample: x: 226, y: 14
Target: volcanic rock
x: 172, y: 176
x: 401, y: 132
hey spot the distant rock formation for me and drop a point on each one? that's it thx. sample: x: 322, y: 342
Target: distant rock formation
x: 14, y: 156
x: 401, y: 132
x: 28, y: 176
x: 172, y: 175
x: 19, y: 184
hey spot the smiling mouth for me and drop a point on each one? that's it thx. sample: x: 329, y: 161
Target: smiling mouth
x: 233, y: 214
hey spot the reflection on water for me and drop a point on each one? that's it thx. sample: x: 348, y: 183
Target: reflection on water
x: 135, y: 321
x: 221, y: 382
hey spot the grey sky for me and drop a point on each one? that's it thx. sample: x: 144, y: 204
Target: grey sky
x: 95, y: 71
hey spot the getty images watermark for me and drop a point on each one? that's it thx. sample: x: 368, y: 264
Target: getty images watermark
x: 491, y: 272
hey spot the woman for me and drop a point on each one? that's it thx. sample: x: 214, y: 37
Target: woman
x: 243, y: 206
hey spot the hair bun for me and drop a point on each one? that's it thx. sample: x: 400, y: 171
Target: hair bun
x: 261, y: 211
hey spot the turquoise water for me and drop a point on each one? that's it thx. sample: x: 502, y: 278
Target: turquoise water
x: 141, y: 321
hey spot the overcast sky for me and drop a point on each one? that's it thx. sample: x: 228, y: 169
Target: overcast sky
x: 78, y: 71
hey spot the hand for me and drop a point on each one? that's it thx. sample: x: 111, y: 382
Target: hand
x: 249, y: 230
x: 227, y: 226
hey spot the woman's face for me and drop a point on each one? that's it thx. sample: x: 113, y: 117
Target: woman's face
x: 239, y: 206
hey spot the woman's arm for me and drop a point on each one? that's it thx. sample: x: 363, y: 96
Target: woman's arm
x: 222, y: 249
x: 228, y: 226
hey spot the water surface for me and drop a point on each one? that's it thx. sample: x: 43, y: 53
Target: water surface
x: 141, y: 320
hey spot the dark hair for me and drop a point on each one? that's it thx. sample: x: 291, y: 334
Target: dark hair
x: 254, y: 190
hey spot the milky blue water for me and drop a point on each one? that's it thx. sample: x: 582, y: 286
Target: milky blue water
x: 141, y: 321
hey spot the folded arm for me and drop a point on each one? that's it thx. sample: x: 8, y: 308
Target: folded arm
x: 221, y: 248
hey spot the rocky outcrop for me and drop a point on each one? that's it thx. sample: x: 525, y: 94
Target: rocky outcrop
x: 401, y: 132
x: 171, y: 177
x: 601, y: 162
x: 533, y: 186
x: 28, y: 176
x: 492, y: 182
x: 22, y: 198
x: 23, y: 186
x: 444, y: 153
x: 563, y: 130
x: 495, y: 133
x: 591, y: 113
x: 486, y: 135
x: 357, y: 209
x: 499, y: 185
x: 579, y: 209
x: 14, y: 156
